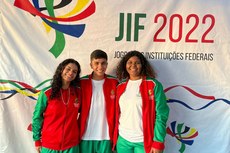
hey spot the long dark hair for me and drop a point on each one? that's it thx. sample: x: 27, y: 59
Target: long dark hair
x: 56, y: 83
x: 146, y: 69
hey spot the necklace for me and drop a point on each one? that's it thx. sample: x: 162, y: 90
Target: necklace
x: 66, y: 103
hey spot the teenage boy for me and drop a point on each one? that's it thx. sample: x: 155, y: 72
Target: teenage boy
x: 97, y: 116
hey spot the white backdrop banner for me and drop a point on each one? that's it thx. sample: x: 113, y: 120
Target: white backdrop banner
x: 186, y: 41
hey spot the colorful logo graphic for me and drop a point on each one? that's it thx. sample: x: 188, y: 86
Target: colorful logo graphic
x: 11, y: 88
x: 211, y: 99
x: 81, y: 9
x: 183, y: 134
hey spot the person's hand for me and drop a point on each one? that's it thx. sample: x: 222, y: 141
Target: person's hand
x: 153, y: 150
x: 38, y: 149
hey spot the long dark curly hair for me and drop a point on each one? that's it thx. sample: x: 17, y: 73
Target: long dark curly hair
x: 146, y: 69
x: 56, y: 83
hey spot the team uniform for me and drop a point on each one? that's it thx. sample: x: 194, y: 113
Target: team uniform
x: 144, y: 102
x: 55, y: 126
x: 97, y: 116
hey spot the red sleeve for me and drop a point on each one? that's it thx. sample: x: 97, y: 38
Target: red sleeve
x: 158, y: 145
x: 38, y: 143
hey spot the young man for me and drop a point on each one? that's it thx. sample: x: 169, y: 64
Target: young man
x: 97, y: 116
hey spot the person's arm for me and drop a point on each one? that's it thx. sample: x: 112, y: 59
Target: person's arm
x: 37, y: 120
x: 162, y: 112
x: 38, y: 149
x: 153, y: 150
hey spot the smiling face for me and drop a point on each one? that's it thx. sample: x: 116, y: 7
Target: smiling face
x: 134, y: 67
x: 69, y: 73
x: 99, y: 67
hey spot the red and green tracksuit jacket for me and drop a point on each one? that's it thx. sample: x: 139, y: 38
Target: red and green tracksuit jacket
x: 155, y: 112
x: 109, y: 88
x: 55, y: 124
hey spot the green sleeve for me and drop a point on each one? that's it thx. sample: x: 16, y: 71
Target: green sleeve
x: 38, y: 118
x: 162, y: 112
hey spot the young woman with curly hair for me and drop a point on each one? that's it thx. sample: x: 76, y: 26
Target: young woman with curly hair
x: 55, y: 127
x: 141, y: 108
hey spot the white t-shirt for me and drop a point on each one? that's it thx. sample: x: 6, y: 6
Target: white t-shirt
x: 130, y: 122
x: 97, y: 125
